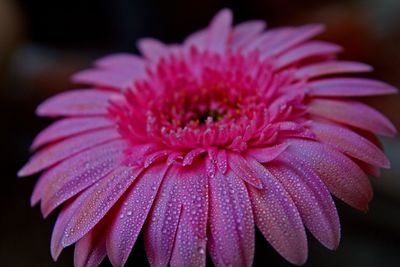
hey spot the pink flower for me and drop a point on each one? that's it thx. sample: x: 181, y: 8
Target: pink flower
x: 197, y: 144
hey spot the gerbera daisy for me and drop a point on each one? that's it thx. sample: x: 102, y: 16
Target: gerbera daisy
x: 196, y: 144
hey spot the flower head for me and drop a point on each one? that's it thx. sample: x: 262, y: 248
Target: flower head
x: 199, y: 143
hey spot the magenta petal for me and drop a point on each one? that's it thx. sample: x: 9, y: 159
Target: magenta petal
x: 222, y: 161
x: 100, y: 198
x: 350, y: 143
x: 306, y: 50
x: 114, y: 79
x: 267, y: 154
x: 131, y: 212
x: 354, y: 114
x: 231, y: 224
x: 311, y: 197
x: 197, y: 40
x: 90, y: 250
x: 63, y: 218
x: 152, y: 49
x: 77, y: 173
x: 245, y: 32
x: 349, y: 87
x: 342, y: 176
x: 162, y: 224
x: 330, y: 67
x: 242, y: 170
x: 76, y: 102
x: 53, y: 154
x: 191, y: 237
x: 278, y: 219
x: 122, y: 62
x: 294, y: 37
x: 218, y: 32
x: 70, y: 126
x: 38, y: 190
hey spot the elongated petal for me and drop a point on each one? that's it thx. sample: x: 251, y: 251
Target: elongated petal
x: 245, y: 32
x: 350, y: 143
x: 122, y: 62
x: 349, y: 87
x: 162, y: 224
x: 311, y: 197
x: 70, y: 126
x: 90, y: 250
x: 267, y: 154
x: 100, y: 198
x: 242, y: 170
x: 222, y: 161
x: 197, y: 40
x: 330, y: 67
x: 131, y: 213
x: 105, y: 78
x: 38, y: 189
x: 76, y: 102
x: 231, y: 222
x: 219, y: 30
x: 306, y: 50
x: 354, y: 114
x: 53, y: 154
x: 152, y: 49
x: 79, y: 172
x: 295, y: 37
x: 191, y: 237
x: 278, y: 219
x: 65, y: 215
x: 342, y: 176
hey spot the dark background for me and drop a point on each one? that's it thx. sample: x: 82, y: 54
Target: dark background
x: 43, y: 42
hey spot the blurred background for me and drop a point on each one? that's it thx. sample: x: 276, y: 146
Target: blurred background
x: 43, y: 42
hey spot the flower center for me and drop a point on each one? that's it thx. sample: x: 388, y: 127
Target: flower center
x: 202, y: 101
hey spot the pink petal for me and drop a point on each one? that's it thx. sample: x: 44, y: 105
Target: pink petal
x: 38, y: 190
x: 231, y: 226
x: 218, y: 31
x: 267, y: 38
x: 311, y: 198
x: 105, y: 78
x: 76, y: 102
x: 330, y: 67
x: 350, y: 143
x: 267, y: 154
x: 222, y: 161
x: 276, y: 216
x: 152, y: 49
x: 122, y: 62
x: 354, y: 114
x: 68, y: 210
x: 306, y: 50
x: 70, y: 126
x: 242, y: 170
x: 347, y: 87
x: 245, y: 32
x: 90, y: 250
x: 77, y: 173
x: 190, y: 156
x: 340, y: 174
x: 162, y: 224
x: 196, y: 39
x: 298, y: 35
x: 131, y: 213
x: 191, y: 237
x: 53, y: 154
x: 98, y: 201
